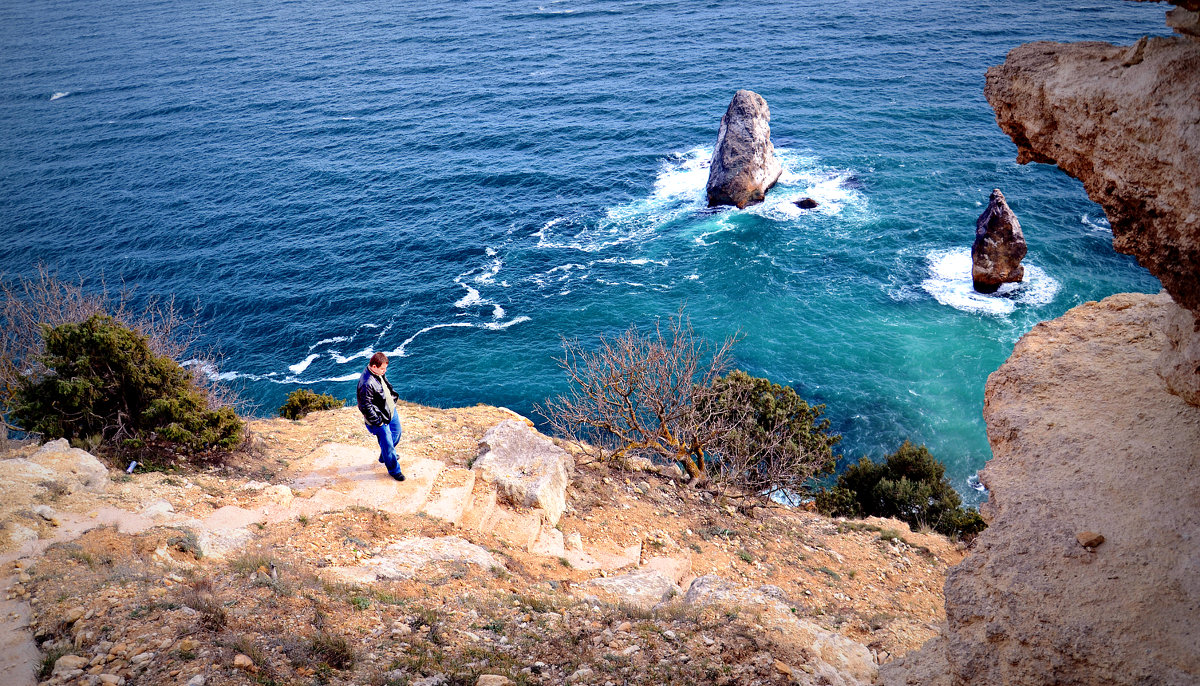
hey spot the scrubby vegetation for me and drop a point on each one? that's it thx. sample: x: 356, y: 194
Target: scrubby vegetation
x: 662, y: 394
x: 302, y: 401
x: 75, y: 365
x: 909, y: 485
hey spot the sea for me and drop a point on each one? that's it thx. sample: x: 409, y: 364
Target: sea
x: 466, y: 185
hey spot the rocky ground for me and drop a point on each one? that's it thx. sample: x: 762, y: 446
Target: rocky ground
x: 299, y: 561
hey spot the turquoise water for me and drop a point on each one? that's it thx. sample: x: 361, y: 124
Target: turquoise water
x: 463, y: 184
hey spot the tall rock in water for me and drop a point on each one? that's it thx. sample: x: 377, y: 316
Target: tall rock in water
x: 743, y: 165
x: 999, y: 246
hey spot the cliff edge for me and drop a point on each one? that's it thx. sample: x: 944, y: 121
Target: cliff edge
x: 1089, y: 571
x: 1124, y: 120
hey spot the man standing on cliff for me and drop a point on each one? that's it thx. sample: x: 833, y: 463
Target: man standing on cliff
x: 377, y: 402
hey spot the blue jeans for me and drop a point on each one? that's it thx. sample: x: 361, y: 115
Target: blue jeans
x: 388, y: 435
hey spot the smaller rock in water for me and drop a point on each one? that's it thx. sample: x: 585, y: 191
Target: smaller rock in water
x: 806, y: 203
x: 1089, y: 539
x: 999, y: 247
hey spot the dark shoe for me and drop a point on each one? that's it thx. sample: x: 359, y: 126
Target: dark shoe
x: 398, y: 476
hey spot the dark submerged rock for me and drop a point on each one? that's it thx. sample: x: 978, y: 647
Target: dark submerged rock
x: 806, y: 203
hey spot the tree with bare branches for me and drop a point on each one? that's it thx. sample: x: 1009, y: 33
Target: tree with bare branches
x: 662, y: 393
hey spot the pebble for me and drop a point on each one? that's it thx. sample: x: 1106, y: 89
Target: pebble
x: 243, y: 662
x: 492, y: 680
x: 69, y: 663
x: 197, y: 680
x: 581, y: 673
x: 624, y: 626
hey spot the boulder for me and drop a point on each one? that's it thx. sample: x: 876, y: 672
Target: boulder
x: 405, y: 559
x: 526, y: 467
x: 743, y: 164
x: 999, y: 247
x: 81, y: 466
x: 643, y: 588
x: 806, y: 203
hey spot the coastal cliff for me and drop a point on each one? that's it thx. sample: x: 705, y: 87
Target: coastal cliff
x: 1085, y: 438
x: 1088, y: 572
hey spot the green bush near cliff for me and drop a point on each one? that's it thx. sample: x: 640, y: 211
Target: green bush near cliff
x: 909, y: 485
x: 302, y: 401
x: 99, y: 377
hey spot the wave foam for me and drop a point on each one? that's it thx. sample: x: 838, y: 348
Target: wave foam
x: 60, y: 94
x: 950, y: 283
x: 324, y: 341
x: 299, y: 367
x: 679, y: 191
x: 1097, y: 224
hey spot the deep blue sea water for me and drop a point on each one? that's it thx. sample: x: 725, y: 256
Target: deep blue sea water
x: 461, y: 184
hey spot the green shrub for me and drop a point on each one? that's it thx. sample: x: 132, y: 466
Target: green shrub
x: 909, y: 485
x: 302, y: 401
x: 101, y: 377
x: 765, y: 438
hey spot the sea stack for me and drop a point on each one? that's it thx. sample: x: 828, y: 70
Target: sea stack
x: 999, y: 246
x: 743, y: 165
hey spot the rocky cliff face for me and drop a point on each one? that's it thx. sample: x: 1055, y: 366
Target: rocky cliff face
x: 1085, y: 437
x: 1126, y: 122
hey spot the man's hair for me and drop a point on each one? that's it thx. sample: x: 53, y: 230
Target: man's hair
x: 377, y: 360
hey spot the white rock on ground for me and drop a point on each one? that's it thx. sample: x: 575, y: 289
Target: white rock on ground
x: 526, y: 467
x: 403, y: 560
x: 643, y: 588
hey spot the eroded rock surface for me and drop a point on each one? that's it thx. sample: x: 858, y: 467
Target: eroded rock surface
x: 404, y: 560
x: 526, y: 467
x: 1179, y: 364
x: 1085, y: 438
x: 743, y: 165
x: 1124, y: 120
x: 834, y: 659
x: 999, y: 246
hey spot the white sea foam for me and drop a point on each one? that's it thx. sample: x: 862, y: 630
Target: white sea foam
x: 973, y: 482
x: 299, y: 367
x: 1098, y: 224
x: 60, y: 94
x: 400, y: 351
x: 950, y: 284
x: 470, y: 299
x: 364, y: 353
x: 324, y: 341
x: 497, y: 312
x: 499, y: 326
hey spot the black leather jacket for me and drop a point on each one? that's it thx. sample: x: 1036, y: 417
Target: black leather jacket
x: 371, y: 401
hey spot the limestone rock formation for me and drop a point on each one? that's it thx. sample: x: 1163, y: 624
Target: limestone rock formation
x: 743, y: 164
x: 1179, y: 365
x: 642, y: 588
x: 526, y: 467
x: 1085, y: 437
x: 999, y: 246
x: 1126, y: 122
x: 403, y: 560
